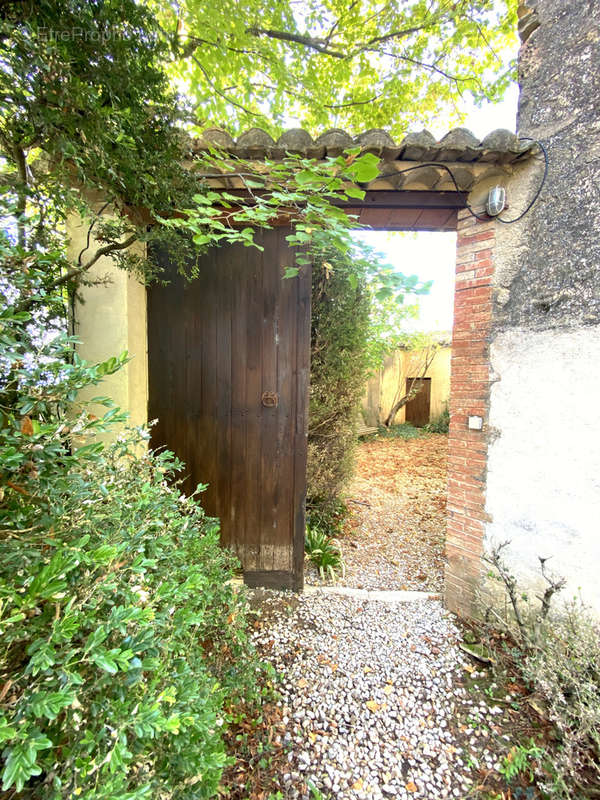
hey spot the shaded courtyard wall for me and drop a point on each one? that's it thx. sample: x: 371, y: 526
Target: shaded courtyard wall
x: 110, y: 320
x: 543, y: 467
x: 382, y: 388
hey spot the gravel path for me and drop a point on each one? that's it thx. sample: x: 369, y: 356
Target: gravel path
x: 373, y: 701
x: 395, y: 537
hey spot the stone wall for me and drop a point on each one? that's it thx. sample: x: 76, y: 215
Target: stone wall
x: 543, y: 468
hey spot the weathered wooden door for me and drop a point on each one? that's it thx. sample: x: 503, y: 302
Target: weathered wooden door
x: 228, y: 381
x: 418, y: 409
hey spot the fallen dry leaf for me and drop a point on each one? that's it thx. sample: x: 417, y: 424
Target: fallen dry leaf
x: 27, y: 426
x: 373, y: 706
x: 358, y: 785
x: 410, y: 787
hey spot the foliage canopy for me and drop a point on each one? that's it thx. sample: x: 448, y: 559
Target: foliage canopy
x: 333, y: 63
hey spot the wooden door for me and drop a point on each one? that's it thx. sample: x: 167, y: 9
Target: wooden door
x: 228, y: 357
x: 418, y: 409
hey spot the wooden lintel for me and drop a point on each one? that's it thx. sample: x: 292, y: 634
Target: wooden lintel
x: 386, y: 198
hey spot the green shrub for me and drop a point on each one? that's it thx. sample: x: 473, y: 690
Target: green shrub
x: 329, y: 518
x: 565, y: 668
x: 339, y: 368
x: 441, y: 423
x: 123, y: 648
x: 405, y: 430
x: 557, y: 651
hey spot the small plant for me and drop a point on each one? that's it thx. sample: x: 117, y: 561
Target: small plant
x: 315, y: 794
x: 557, y: 653
x: 405, y: 430
x: 441, y: 423
x: 325, y: 552
x: 521, y: 761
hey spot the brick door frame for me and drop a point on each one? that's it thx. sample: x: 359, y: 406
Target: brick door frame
x: 470, y: 381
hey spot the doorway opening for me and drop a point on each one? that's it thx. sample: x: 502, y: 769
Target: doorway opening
x: 395, y: 533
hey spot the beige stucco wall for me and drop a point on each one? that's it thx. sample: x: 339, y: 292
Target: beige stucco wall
x: 382, y: 388
x: 109, y: 319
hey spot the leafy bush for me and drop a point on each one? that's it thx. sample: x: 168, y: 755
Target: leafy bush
x: 565, y: 669
x: 441, y: 424
x: 329, y: 518
x: 558, y: 653
x: 123, y: 648
x: 339, y: 368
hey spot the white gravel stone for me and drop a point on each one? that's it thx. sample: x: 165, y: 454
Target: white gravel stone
x: 370, y: 696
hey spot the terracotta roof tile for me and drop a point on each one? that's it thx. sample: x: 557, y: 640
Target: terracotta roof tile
x: 458, y: 145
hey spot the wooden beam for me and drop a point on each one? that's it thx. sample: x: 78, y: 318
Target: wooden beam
x: 408, y: 199
x: 384, y: 198
x: 407, y: 219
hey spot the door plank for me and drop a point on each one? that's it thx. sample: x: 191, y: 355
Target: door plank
x: 253, y: 496
x: 239, y: 411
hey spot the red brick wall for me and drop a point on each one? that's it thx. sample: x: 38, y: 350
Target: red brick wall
x: 469, y: 396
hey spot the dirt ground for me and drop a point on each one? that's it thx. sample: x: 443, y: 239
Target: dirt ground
x: 394, y: 538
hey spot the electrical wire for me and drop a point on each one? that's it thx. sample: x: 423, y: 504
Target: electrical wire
x: 439, y: 164
x: 540, y: 187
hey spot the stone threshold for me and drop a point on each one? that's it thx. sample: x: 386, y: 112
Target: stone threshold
x: 383, y: 596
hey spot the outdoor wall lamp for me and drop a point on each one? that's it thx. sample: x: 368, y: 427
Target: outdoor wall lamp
x: 496, y: 201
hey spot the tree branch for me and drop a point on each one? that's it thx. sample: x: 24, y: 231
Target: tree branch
x: 394, y: 35
x: 414, y: 388
x: 89, y: 233
x: 77, y: 272
x: 355, y: 102
x: 554, y: 585
x: 222, y: 94
x: 510, y: 583
x: 430, y: 67
x: 308, y: 41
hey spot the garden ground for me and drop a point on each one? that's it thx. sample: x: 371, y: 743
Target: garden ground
x: 394, y: 538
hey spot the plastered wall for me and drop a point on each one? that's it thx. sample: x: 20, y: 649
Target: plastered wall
x: 543, y: 467
x: 543, y: 479
x: 110, y: 318
x: 382, y: 388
